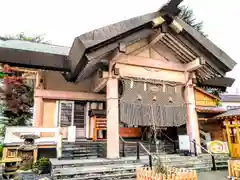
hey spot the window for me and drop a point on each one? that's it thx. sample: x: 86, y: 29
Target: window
x: 12, y: 153
x: 79, y: 114
x: 66, y: 113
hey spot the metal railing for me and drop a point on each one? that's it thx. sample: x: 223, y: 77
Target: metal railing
x: 150, y: 155
x: 124, y: 142
x: 212, y: 155
x: 138, y: 145
x: 171, y: 141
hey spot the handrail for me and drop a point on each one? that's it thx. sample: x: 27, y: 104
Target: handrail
x: 130, y: 142
x: 150, y: 155
x: 138, y: 143
x: 202, y: 148
x: 125, y: 142
x: 212, y: 155
x: 170, y: 139
x: 144, y: 148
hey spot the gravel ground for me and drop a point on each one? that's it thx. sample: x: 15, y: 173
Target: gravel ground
x: 213, y: 175
x: 31, y: 176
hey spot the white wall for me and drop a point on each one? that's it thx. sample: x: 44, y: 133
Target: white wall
x: 10, y: 137
x: 225, y: 104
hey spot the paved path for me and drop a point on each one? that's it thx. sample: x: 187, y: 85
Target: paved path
x: 217, y: 175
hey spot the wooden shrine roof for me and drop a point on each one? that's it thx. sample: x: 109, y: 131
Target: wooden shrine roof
x: 229, y: 113
x: 89, y: 49
x: 102, y: 42
x: 34, y: 55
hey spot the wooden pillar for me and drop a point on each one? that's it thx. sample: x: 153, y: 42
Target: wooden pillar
x: 237, y: 130
x: 112, y: 119
x: 192, y: 118
x: 229, y: 136
x: 38, y: 102
x: 38, y: 111
x: 35, y: 155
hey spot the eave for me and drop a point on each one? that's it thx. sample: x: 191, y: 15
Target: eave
x: 213, y: 110
x: 34, y: 55
x: 219, y: 82
x: 183, y: 45
x: 208, y: 94
x: 185, y: 54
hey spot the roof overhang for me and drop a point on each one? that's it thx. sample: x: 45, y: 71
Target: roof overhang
x: 109, y: 37
x: 229, y: 114
x: 34, y: 55
x: 89, y: 49
x: 206, y: 109
x: 219, y: 82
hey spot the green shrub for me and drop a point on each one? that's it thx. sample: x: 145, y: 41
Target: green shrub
x: 1, y: 150
x: 42, y: 165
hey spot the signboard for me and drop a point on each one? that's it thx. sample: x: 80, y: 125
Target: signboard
x: 184, y: 142
x: 217, y: 147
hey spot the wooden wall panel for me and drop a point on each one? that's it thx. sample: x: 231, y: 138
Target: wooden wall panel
x: 215, y: 129
x: 203, y: 99
x: 49, y: 112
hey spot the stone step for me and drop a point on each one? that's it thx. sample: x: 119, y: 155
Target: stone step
x: 83, y: 150
x: 80, y: 156
x: 124, y: 168
x: 92, y: 162
x: 95, y: 169
x: 84, y: 145
x: 122, y: 176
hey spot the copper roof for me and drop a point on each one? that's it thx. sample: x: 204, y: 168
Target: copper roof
x: 229, y: 113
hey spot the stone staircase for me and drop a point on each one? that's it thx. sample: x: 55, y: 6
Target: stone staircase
x: 202, y: 162
x: 86, y: 149
x: 90, y: 169
x: 124, y: 168
x: 86, y: 160
x: 130, y: 148
x: 83, y: 149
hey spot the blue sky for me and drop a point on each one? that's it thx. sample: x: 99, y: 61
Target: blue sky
x: 62, y: 20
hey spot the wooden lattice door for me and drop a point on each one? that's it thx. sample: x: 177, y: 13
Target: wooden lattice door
x: 233, y: 136
x: 79, y: 118
x: 65, y: 116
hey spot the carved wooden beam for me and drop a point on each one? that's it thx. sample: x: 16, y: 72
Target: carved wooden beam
x: 153, y: 40
x: 156, y: 38
x: 157, y: 21
x: 197, y: 63
x: 39, y: 80
x: 101, y: 84
x: 150, y: 63
x: 176, y: 26
x: 25, y: 70
x: 100, y: 81
x: 67, y: 95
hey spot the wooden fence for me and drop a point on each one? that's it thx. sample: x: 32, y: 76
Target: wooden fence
x: 234, y: 169
x: 173, y: 174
